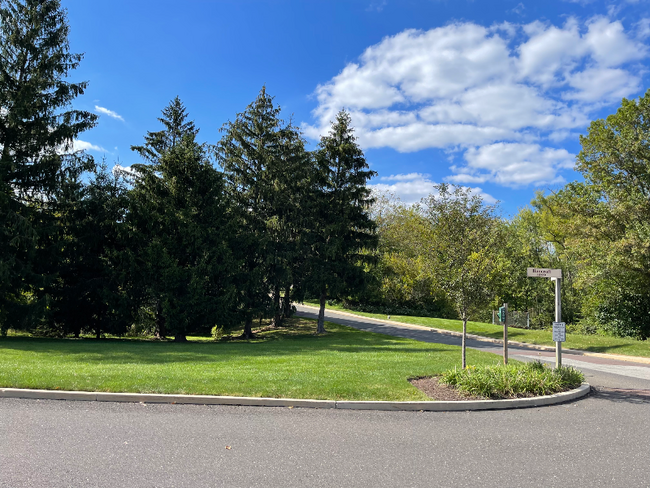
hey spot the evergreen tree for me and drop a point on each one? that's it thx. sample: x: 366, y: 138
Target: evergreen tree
x: 265, y: 164
x: 176, y: 126
x: 342, y: 228
x: 146, y: 288
x: 89, y: 293
x: 183, y: 226
x: 36, y: 126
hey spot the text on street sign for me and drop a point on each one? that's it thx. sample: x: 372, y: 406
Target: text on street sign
x: 544, y: 273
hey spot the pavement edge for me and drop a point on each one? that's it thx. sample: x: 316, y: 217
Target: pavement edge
x: 430, y: 406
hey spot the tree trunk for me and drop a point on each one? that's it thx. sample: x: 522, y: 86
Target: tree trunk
x: 161, y: 331
x: 180, y: 337
x: 321, y: 314
x: 248, y: 329
x: 463, y: 348
x: 286, y: 303
x: 277, y: 311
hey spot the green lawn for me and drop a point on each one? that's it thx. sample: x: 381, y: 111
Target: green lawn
x: 593, y: 343
x: 344, y: 364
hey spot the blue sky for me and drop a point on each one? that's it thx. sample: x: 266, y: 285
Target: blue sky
x: 485, y: 93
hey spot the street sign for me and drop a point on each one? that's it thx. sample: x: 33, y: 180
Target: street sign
x: 544, y: 273
x: 502, y: 314
x: 559, y: 332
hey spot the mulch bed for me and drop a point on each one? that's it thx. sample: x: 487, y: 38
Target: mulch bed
x: 443, y: 393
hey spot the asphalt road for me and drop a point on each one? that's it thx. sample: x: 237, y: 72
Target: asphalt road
x: 603, y: 440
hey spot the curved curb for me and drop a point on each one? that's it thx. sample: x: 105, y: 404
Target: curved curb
x: 527, y: 345
x: 431, y: 406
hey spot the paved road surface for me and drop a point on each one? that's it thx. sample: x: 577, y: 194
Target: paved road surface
x: 603, y: 440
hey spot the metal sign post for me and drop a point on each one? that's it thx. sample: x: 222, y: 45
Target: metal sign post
x: 555, y: 275
x: 558, y: 319
x: 505, y: 334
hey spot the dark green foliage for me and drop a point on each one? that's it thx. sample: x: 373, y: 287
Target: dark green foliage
x: 89, y: 294
x: 36, y: 126
x: 267, y: 169
x: 174, y: 119
x: 342, y: 232
x: 182, y: 229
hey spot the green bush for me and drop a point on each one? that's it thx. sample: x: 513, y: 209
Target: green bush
x: 513, y: 380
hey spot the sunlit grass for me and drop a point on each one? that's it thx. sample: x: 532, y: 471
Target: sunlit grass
x: 593, y: 343
x: 292, y: 362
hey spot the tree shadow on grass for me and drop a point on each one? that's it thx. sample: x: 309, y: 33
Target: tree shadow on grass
x: 148, y: 352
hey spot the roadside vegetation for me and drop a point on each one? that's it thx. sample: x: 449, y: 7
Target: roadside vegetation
x: 585, y: 342
x: 513, y: 380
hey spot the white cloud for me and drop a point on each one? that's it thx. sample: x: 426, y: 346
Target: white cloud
x: 513, y: 165
x: 79, y: 145
x: 412, y: 187
x: 643, y: 28
x: 405, y: 177
x: 110, y: 113
x: 486, y: 90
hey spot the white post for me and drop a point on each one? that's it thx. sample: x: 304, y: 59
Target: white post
x: 558, y: 318
x: 505, y: 335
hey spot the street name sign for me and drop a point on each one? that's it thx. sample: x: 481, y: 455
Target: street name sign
x: 544, y: 273
x: 559, y: 332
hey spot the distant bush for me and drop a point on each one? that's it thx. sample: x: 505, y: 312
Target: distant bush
x: 513, y: 380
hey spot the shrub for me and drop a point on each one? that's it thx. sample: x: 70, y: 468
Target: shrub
x: 513, y: 380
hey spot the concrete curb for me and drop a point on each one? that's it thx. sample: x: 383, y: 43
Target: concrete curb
x: 528, y: 345
x: 430, y: 406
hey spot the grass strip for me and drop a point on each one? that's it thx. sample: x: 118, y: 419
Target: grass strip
x: 591, y: 343
x: 291, y: 362
x: 513, y: 380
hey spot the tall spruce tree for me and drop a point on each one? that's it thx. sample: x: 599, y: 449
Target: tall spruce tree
x: 182, y: 227
x: 146, y: 287
x: 36, y: 127
x: 342, y: 227
x: 265, y: 164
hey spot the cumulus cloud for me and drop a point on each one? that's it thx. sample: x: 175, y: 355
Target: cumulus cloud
x: 412, y: 187
x: 513, y: 164
x: 110, y: 113
x: 505, y: 90
x: 78, y: 145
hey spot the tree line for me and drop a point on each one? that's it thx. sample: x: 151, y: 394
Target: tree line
x: 196, y: 236
x: 201, y: 235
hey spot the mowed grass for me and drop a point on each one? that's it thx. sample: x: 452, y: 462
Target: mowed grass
x: 292, y: 362
x: 592, y: 343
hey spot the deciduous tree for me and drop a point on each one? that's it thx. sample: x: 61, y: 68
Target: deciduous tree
x: 463, y: 250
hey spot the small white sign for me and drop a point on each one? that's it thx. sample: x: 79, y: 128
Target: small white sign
x: 544, y: 273
x: 559, y: 332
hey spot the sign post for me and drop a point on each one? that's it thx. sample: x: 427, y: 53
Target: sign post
x: 505, y: 333
x: 560, y: 336
x: 558, y: 320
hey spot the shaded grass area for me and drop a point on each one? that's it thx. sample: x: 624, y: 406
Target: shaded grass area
x: 513, y: 380
x: 292, y: 362
x: 592, y: 343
